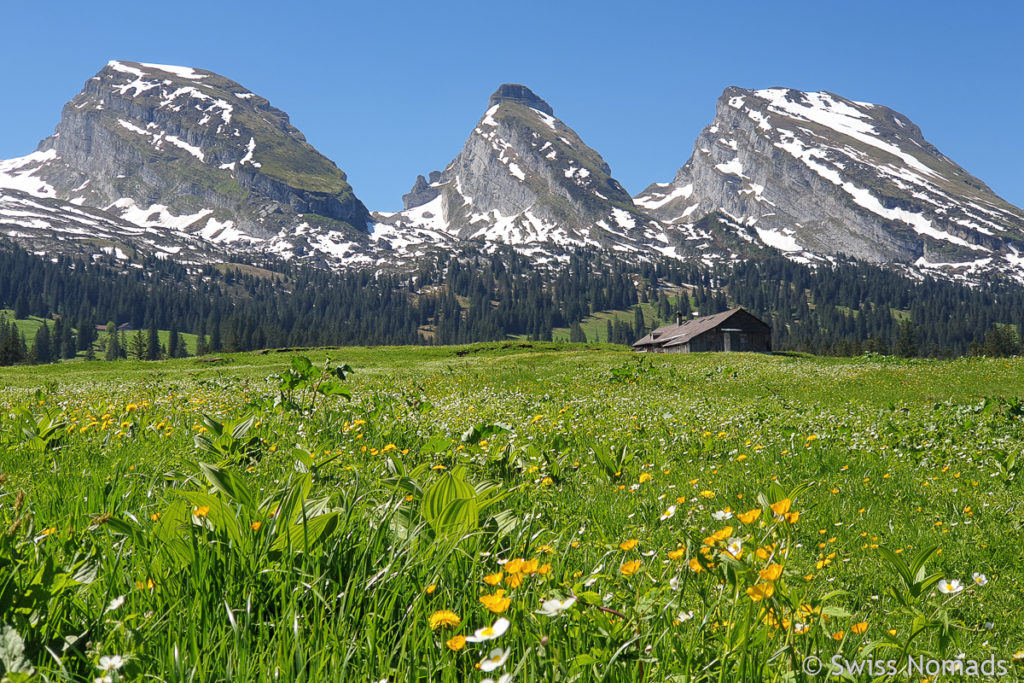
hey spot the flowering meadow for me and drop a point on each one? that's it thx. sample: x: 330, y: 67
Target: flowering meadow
x: 510, y: 512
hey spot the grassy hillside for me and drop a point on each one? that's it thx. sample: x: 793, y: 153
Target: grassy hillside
x: 29, y: 326
x: 674, y: 517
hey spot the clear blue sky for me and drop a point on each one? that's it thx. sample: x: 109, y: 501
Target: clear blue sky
x: 390, y: 90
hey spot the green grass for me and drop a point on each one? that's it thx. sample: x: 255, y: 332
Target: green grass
x: 323, y: 533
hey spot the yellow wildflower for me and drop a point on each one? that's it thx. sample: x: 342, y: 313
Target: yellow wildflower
x: 497, y: 602
x: 444, y: 619
x: 630, y: 568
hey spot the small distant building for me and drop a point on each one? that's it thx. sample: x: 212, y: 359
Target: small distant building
x: 732, y: 330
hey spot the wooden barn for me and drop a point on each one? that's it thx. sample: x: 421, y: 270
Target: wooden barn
x: 733, y: 330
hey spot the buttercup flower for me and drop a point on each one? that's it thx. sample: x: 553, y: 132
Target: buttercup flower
x: 496, y: 602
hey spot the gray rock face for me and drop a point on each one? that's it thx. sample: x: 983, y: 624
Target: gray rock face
x: 520, y: 94
x: 198, y: 145
x: 523, y: 177
x: 815, y: 174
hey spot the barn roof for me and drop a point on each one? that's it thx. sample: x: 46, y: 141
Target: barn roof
x: 674, y: 335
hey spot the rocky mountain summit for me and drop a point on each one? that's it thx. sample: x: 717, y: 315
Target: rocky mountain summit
x: 525, y: 178
x: 182, y: 163
x: 186, y: 151
x: 816, y: 175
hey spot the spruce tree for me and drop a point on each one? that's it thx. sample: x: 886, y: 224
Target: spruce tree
x: 113, y: 343
x: 138, y: 346
x: 152, y: 342
x: 41, y: 350
x: 172, y: 342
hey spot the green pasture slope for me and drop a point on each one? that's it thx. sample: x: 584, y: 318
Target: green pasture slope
x: 611, y: 517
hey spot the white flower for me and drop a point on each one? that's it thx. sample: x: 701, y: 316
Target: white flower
x: 980, y: 579
x: 505, y: 678
x: 721, y: 515
x: 489, y: 632
x: 110, y: 663
x: 950, y: 586
x: 496, y: 659
x: 673, y: 583
x: 684, y: 616
x: 114, y: 604
x: 734, y: 546
x: 554, y: 607
x: 668, y: 514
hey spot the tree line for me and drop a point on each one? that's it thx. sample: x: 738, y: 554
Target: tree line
x: 469, y: 296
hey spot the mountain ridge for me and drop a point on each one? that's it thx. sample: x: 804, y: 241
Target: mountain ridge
x: 184, y: 163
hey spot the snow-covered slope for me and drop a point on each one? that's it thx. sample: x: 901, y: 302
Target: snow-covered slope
x: 524, y: 178
x: 191, y: 154
x: 816, y: 175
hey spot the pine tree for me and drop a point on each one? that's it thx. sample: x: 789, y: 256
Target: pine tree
x: 138, y: 346
x: 172, y: 342
x: 67, y: 342
x: 906, y: 342
x: 113, y: 344
x: 152, y: 342
x: 41, y: 350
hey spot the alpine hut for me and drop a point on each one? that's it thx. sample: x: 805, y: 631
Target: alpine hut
x: 732, y: 330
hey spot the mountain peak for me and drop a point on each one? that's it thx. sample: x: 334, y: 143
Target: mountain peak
x: 520, y: 94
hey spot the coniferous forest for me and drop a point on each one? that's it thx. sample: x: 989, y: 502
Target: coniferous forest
x: 468, y: 297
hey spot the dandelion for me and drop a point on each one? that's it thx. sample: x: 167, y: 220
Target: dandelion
x: 444, y: 619
x: 497, y: 602
x: 668, y: 514
x: 554, y: 607
x: 980, y: 579
x: 456, y: 643
x: 630, y: 568
x: 629, y: 545
x: 950, y: 586
x: 489, y: 632
x: 859, y: 627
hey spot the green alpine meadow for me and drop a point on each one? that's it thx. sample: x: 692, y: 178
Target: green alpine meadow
x: 527, y: 511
